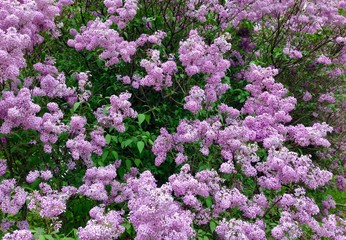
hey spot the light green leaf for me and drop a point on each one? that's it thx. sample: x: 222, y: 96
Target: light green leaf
x: 212, y: 226
x: 108, y: 138
x: 76, y: 106
x: 141, y: 118
x: 140, y: 146
x: 49, y: 237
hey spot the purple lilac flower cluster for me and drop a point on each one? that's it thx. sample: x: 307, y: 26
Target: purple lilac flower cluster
x: 115, y: 114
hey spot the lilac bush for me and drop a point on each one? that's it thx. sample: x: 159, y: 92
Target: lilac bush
x: 130, y: 119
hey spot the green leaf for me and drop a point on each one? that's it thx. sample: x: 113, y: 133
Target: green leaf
x: 212, y: 226
x: 114, y: 139
x: 208, y: 201
x: 105, y: 155
x: 49, y: 237
x: 127, y: 226
x: 89, y: 56
x: 128, y: 163
x: 38, y: 230
x: 140, y: 146
x: 126, y: 143
x: 141, y: 118
x: 147, y: 118
x: 121, y: 172
x: 137, y: 162
x: 108, y: 138
x: 115, y: 154
x: 76, y: 106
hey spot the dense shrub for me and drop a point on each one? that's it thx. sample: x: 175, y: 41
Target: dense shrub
x: 131, y: 119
